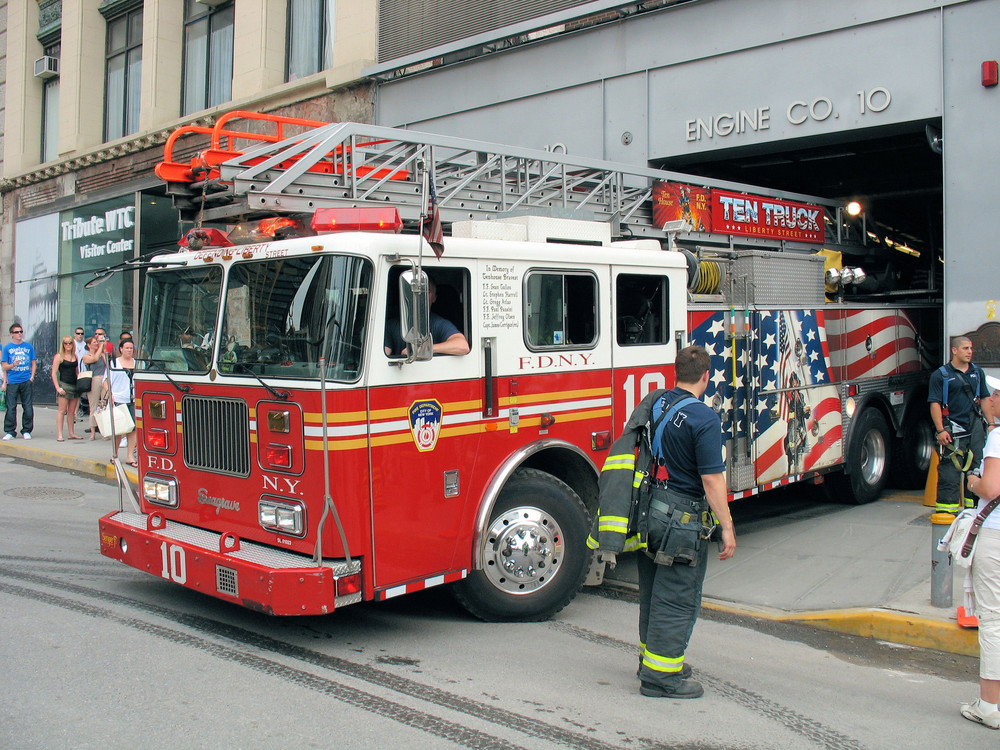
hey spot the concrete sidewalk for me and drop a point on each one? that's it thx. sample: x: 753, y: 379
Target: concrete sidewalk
x: 86, y: 456
x: 863, y: 570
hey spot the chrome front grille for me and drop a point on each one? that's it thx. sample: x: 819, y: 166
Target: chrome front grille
x: 216, y: 434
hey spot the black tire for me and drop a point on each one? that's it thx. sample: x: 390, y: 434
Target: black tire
x: 546, y: 524
x: 911, y: 455
x: 867, y: 461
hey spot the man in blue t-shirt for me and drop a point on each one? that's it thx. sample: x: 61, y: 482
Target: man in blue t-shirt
x: 19, y: 364
x: 959, y: 403
x: 688, y: 446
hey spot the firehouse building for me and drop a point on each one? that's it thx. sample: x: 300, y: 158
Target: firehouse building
x: 886, y: 103
x: 890, y: 104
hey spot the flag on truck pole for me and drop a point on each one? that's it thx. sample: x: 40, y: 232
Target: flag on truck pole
x: 432, y: 230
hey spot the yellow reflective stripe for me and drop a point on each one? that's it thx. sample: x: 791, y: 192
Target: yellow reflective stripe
x: 626, y: 461
x: 637, y: 479
x: 662, y: 663
x: 633, y: 543
x: 592, y: 543
x: 612, y: 523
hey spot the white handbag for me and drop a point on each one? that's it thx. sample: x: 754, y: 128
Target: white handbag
x: 122, y: 419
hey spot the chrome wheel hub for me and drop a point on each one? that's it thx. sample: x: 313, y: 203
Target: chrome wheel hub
x: 524, y: 549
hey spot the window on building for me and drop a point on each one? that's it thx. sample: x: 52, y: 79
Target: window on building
x: 123, y: 74
x: 310, y: 37
x: 50, y: 110
x: 642, y: 309
x: 560, y: 310
x: 208, y: 55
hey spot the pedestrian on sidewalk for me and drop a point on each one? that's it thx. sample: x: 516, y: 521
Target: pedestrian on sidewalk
x: 986, y: 580
x: 81, y: 348
x: 960, y: 408
x: 687, y: 480
x: 79, y: 342
x: 19, y: 363
x: 107, y: 346
x: 95, y: 361
x: 118, y: 384
x: 65, y: 367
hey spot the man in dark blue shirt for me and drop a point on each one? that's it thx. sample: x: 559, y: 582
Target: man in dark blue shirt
x: 688, y: 445
x: 959, y: 401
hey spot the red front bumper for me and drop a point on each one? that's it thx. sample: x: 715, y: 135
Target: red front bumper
x: 256, y: 576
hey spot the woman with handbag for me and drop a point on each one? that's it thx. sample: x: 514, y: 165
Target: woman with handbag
x: 986, y: 579
x: 95, y: 363
x: 64, y: 371
x: 119, y: 384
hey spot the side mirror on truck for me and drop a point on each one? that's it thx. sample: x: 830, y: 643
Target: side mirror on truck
x: 415, y: 314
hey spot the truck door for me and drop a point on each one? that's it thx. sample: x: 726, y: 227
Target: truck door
x: 648, y: 311
x: 425, y: 420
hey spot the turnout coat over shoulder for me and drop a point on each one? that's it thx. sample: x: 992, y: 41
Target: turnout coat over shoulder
x: 621, y: 478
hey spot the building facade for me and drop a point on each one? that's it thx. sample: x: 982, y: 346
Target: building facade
x: 887, y: 103
x: 93, y: 89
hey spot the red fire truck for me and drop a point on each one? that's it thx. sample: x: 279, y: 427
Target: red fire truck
x: 303, y: 448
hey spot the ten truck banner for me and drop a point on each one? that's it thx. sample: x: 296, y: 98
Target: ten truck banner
x: 771, y: 218
x: 737, y: 213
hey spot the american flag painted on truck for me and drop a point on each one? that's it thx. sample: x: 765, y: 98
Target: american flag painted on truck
x: 869, y: 343
x: 789, y: 364
x: 783, y: 374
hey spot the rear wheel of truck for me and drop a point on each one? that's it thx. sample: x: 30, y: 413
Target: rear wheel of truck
x: 535, y: 556
x: 867, y: 460
x: 911, y: 457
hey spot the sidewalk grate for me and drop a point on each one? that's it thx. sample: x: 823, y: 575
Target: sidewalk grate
x: 43, y: 493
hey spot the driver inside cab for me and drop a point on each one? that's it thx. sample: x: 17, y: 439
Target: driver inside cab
x: 445, y: 335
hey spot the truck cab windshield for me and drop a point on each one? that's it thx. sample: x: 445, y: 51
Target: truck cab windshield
x: 180, y: 312
x: 282, y: 314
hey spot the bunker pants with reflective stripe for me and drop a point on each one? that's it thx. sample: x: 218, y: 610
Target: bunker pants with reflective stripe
x: 669, y: 602
x: 949, y: 485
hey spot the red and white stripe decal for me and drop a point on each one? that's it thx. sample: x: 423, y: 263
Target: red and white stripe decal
x: 409, y: 588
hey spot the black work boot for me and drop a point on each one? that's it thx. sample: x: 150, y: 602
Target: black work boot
x: 687, y: 689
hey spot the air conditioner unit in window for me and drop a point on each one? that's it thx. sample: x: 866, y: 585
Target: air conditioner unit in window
x: 46, y: 67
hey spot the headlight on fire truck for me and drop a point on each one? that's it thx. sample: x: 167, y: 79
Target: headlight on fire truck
x: 282, y: 516
x: 160, y: 490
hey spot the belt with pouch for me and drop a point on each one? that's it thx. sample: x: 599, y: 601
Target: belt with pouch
x: 686, y: 515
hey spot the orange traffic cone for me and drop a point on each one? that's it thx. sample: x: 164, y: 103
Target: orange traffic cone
x: 966, y: 621
x: 930, y: 488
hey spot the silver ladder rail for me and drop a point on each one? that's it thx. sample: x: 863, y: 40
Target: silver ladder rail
x: 373, y: 165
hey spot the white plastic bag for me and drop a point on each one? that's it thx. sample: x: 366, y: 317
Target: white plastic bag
x: 123, y: 420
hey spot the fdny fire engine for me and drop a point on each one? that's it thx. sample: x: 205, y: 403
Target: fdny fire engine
x: 294, y: 461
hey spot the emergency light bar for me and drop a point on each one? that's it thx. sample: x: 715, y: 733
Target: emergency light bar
x: 358, y: 219
x: 198, y: 238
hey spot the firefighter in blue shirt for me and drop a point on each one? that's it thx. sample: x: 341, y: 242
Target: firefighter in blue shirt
x: 959, y: 403
x: 673, y: 521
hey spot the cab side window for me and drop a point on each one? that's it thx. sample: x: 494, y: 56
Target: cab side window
x: 642, y: 309
x: 451, y: 290
x: 560, y: 309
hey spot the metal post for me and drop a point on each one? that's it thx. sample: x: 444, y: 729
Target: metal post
x: 941, y: 574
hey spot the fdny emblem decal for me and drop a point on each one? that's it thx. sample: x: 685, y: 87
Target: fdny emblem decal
x: 425, y: 424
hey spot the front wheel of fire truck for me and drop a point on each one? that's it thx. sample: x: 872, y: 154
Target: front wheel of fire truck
x: 867, y: 461
x: 534, y: 556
